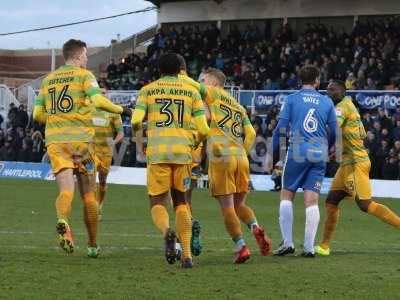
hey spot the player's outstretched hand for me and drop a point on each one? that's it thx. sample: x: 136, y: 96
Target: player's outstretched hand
x: 127, y: 112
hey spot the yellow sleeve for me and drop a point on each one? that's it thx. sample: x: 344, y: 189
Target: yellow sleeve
x: 103, y: 103
x: 90, y: 85
x: 198, y: 107
x: 39, y: 112
x: 249, y: 134
x: 201, y: 125
x: 117, y: 123
x: 340, y: 114
x: 208, y: 98
x: 140, y: 111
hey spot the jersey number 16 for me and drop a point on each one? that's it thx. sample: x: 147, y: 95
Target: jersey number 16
x: 64, y: 103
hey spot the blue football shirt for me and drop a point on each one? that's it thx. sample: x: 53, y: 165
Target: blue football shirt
x: 308, y: 113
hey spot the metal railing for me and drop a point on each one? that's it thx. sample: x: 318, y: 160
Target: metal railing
x: 6, y: 98
x: 26, y: 95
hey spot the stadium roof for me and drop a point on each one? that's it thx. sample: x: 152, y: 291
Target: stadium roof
x: 159, y: 2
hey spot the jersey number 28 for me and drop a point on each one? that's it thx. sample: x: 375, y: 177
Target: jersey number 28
x: 229, y: 115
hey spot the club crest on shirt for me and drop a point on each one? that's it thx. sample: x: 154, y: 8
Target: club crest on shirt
x: 318, y: 185
x: 186, y: 182
x: 339, y: 112
x: 89, y: 166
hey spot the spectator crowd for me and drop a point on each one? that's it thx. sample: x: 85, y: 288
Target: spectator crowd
x: 21, y: 140
x: 366, y: 58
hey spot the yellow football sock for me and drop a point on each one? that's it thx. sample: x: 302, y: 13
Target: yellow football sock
x: 101, y: 193
x: 246, y: 215
x: 184, y: 228
x: 90, y: 211
x: 160, y: 217
x: 384, y: 213
x: 63, y: 204
x: 332, y: 217
x: 189, y: 206
x: 232, y: 222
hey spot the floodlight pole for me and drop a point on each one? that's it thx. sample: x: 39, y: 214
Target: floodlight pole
x: 53, y: 59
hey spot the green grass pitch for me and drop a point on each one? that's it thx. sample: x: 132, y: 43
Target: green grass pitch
x: 365, y: 263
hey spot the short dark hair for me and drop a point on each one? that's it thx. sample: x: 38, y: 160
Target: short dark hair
x: 308, y: 74
x: 182, y: 62
x: 72, y: 47
x: 340, y: 83
x: 169, y: 64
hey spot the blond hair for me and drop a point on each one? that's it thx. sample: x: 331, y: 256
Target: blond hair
x: 217, y: 74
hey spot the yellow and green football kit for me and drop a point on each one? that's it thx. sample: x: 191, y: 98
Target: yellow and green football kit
x: 230, y: 138
x: 106, y: 126
x: 170, y: 105
x: 353, y: 173
x: 65, y: 103
x: 196, y: 152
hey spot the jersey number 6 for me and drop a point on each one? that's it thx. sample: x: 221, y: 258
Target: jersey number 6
x: 310, y: 123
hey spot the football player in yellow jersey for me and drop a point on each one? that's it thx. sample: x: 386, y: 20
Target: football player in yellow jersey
x: 107, y: 126
x: 352, y: 177
x: 65, y: 103
x: 170, y: 106
x: 197, y: 154
x: 228, y: 144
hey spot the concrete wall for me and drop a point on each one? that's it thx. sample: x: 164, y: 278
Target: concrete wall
x: 194, y: 11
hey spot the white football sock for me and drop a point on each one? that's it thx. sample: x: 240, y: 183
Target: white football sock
x: 312, y: 221
x: 239, y: 244
x: 286, y: 222
x: 178, y: 246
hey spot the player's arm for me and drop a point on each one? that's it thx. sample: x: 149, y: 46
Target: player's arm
x: 279, y: 132
x: 39, y: 112
x: 208, y: 100
x: 202, y: 90
x: 249, y: 137
x: 249, y: 134
x: 281, y: 128
x: 93, y: 91
x: 340, y: 116
x: 199, y: 118
x: 140, y: 111
x: 117, y: 123
x: 103, y: 103
x: 333, y: 122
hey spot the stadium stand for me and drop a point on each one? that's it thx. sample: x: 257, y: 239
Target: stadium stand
x: 366, y: 57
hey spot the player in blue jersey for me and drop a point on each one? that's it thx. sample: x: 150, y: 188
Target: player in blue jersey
x: 312, y: 121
